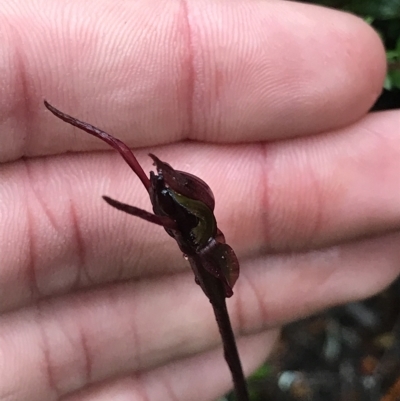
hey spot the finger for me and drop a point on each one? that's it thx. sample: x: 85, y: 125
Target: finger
x: 59, y: 234
x: 67, y: 343
x: 64, y: 345
x: 201, y: 377
x: 290, y: 287
x: 209, y: 70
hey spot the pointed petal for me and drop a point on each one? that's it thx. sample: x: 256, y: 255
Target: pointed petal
x: 164, y: 221
x: 118, y: 145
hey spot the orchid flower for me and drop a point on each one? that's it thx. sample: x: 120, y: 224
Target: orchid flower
x: 184, y: 205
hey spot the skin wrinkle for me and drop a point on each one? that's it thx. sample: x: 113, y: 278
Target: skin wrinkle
x: 30, y: 183
x: 126, y: 387
x: 88, y: 359
x: 137, y: 391
x: 14, y: 109
x: 53, y: 366
x: 282, y: 215
x: 237, y: 312
x: 134, y: 332
x: 10, y: 393
x: 86, y: 276
x: 261, y: 306
x: 140, y: 387
x: 191, y: 73
x: 32, y: 270
x: 169, y: 390
x: 196, y: 75
x: 265, y: 189
x: 182, y: 348
x: 26, y: 95
x: 80, y: 248
x: 322, y: 279
x: 31, y: 264
x: 311, y: 199
x: 38, y: 316
x: 318, y: 192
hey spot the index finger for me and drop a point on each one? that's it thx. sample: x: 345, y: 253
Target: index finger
x: 153, y: 72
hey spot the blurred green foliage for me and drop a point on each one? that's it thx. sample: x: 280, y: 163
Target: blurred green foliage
x: 380, y: 9
x: 384, y: 16
x: 393, y: 75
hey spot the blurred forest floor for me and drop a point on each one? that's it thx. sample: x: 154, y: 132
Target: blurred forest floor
x: 349, y: 353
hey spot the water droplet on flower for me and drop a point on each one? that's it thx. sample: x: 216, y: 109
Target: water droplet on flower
x: 186, y: 257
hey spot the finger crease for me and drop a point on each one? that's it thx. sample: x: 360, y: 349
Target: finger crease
x: 87, y: 357
x: 189, y: 62
x: 80, y: 244
x: 31, y: 265
x: 40, y: 200
x: 31, y: 218
x: 262, y: 318
x: 140, y: 387
x: 315, y: 229
x: 169, y: 390
x: 26, y: 94
x: 46, y: 352
x: 265, y: 193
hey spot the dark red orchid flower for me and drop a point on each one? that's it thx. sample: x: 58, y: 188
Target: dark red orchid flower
x: 183, y: 204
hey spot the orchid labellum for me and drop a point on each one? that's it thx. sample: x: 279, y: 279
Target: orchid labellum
x: 183, y: 204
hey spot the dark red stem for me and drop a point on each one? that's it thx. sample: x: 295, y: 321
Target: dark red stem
x: 214, y: 290
x: 230, y: 351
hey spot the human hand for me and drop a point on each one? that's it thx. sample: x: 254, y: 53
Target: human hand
x: 99, y: 306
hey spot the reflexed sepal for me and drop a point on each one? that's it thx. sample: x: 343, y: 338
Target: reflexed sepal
x: 220, y: 260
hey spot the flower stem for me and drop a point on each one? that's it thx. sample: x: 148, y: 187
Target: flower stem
x: 214, y: 290
x: 231, y: 352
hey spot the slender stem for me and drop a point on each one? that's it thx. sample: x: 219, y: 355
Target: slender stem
x: 230, y: 351
x: 214, y: 290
